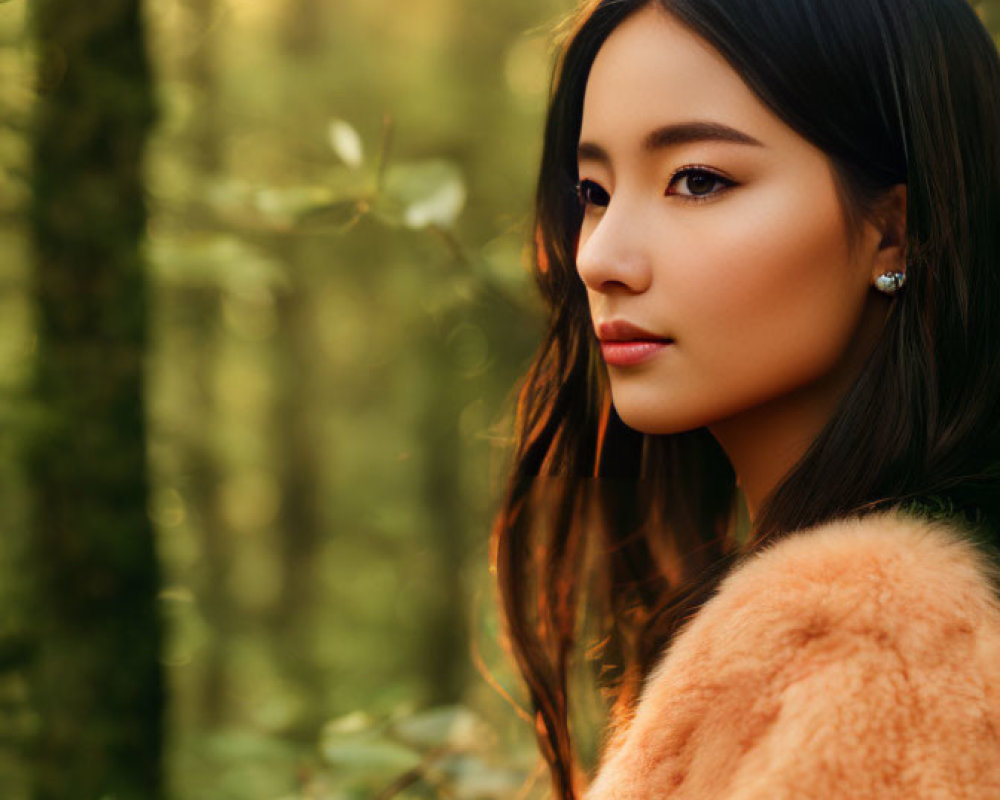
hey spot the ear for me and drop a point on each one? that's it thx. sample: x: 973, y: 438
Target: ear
x: 891, y: 219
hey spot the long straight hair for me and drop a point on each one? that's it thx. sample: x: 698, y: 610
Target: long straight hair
x: 893, y: 91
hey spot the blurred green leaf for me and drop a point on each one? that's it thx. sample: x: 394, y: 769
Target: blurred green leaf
x: 339, y: 213
x: 355, y: 722
x: 373, y: 755
x: 454, y: 727
x: 284, y: 204
x: 428, y: 192
x: 471, y: 777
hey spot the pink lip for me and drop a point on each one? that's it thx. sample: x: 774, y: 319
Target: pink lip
x: 626, y: 354
x: 624, y: 344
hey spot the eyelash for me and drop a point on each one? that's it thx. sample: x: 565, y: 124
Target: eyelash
x: 693, y: 169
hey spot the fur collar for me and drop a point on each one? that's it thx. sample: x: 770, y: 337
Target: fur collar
x: 856, y: 660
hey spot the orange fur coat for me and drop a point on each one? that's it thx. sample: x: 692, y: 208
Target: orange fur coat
x: 854, y: 661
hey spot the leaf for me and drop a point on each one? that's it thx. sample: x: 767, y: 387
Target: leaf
x: 373, y: 755
x: 355, y: 722
x: 339, y: 212
x: 470, y: 777
x: 346, y: 143
x: 486, y: 781
x: 286, y: 204
x: 441, y: 208
x: 430, y: 192
x: 454, y: 727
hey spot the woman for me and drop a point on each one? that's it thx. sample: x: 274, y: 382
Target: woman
x: 763, y: 423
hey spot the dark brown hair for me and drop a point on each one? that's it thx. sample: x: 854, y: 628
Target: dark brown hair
x: 893, y: 91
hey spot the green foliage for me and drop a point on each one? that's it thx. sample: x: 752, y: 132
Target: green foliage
x: 341, y: 307
x: 421, y: 194
x: 412, y: 194
x: 446, y: 752
x: 339, y: 201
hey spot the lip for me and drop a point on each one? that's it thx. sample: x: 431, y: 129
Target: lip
x: 624, y: 344
x: 619, y: 330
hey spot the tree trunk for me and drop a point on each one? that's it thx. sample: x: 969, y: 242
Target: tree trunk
x: 296, y: 425
x: 297, y: 455
x: 204, y: 480
x: 97, y: 681
x: 444, y: 656
x: 202, y: 303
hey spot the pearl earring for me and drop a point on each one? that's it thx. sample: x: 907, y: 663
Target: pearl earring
x: 890, y: 282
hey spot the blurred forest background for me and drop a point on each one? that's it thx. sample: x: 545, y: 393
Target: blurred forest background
x: 338, y: 308
x: 255, y: 398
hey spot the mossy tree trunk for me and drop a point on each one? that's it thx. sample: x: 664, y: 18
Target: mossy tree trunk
x: 444, y: 657
x: 296, y: 415
x: 201, y: 302
x: 97, y: 681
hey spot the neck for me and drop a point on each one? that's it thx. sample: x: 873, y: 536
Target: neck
x: 765, y: 442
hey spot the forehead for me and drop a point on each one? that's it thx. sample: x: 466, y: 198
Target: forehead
x: 652, y: 70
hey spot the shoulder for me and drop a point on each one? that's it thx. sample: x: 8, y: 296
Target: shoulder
x: 885, y: 577
x: 857, y: 659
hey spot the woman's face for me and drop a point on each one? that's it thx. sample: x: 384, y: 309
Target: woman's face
x: 714, y: 248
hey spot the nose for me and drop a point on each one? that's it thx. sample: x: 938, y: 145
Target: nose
x: 611, y: 254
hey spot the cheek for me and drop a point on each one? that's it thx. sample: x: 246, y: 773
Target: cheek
x: 771, y: 299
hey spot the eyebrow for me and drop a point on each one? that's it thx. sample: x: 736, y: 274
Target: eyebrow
x: 673, y: 135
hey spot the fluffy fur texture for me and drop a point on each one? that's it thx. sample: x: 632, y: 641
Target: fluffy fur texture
x: 857, y: 660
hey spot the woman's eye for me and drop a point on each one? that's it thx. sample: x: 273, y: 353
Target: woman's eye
x: 699, y: 183
x: 591, y: 194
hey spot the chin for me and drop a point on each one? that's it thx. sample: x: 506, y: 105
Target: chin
x: 657, y: 419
